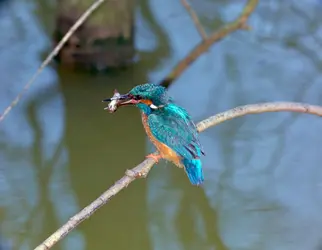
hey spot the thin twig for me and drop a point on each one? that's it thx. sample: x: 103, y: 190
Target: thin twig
x: 195, y: 19
x: 58, y: 47
x: 203, y: 46
x: 144, y: 167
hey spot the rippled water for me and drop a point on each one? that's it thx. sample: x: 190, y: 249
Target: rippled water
x: 60, y: 150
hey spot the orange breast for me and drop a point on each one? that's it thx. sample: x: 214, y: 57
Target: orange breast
x: 166, y: 152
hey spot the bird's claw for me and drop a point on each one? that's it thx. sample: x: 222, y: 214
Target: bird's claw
x: 155, y: 157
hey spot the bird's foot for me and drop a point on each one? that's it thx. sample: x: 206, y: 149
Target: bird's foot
x: 154, y: 156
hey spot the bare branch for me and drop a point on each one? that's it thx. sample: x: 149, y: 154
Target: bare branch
x: 239, y: 23
x: 144, y: 167
x: 58, y: 47
x: 195, y: 19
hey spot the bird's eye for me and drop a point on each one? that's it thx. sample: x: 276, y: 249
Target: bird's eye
x: 137, y: 97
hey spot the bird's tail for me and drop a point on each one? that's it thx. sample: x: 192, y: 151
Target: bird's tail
x: 193, y: 169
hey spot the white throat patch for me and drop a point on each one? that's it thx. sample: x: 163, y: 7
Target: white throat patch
x: 152, y: 106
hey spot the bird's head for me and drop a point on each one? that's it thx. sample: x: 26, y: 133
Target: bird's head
x: 146, y: 97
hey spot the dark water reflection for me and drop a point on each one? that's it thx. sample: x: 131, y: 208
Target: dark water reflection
x: 59, y: 150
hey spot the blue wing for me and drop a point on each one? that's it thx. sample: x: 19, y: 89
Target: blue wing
x: 174, y: 127
x: 181, y: 114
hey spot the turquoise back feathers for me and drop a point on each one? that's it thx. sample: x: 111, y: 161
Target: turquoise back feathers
x: 171, y: 125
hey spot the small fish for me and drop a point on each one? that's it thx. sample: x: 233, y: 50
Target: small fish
x: 112, y: 106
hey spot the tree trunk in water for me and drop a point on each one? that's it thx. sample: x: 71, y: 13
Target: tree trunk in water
x: 104, y: 41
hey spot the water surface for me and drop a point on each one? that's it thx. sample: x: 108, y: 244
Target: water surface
x: 60, y: 150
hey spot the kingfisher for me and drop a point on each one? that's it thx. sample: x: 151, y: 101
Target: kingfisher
x: 168, y: 126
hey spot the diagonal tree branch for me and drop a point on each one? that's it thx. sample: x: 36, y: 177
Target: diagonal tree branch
x: 144, y: 167
x: 52, y: 54
x: 195, y: 19
x: 239, y: 23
